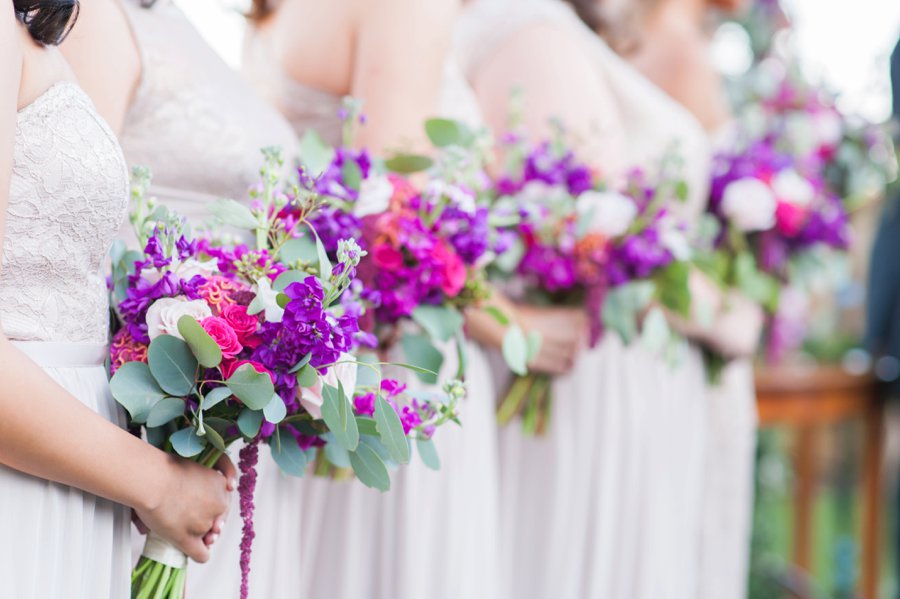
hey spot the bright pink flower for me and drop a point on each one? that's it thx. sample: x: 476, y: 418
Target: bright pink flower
x: 243, y: 324
x: 790, y: 218
x: 223, y: 334
x: 387, y: 258
x: 454, y: 278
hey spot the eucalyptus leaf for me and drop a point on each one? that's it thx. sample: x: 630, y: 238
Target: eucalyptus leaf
x: 254, y: 389
x: 299, y: 249
x: 204, y: 347
x: 186, y: 443
x: 673, y: 288
x: 307, y: 376
x: 165, y: 411
x: 172, y: 364
x: 234, y: 214
x: 440, y: 322
x: 291, y: 459
x: 324, y: 262
x: 275, y: 410
x: 515, y: 350
x: 498, y: 315
x: 367, y: 426
x: 447, y: 132
x: 420, y: 353
x: 622, y: 307
x: 337, y: 455
x: 368, y: 374
x: 338, y: 415
x: 134, y: 387
x: 390, y: 430
x: 655, y: 333
x: 369, y: 468
x: 216, y: 396
x: 249, y: 422
x: 215, y: 439
x: 351, y: 174
x: 288, y: 277
x: 303, y: 362
x: 428, y: 453
x: 406, y: 164
x: 533, y: 342
x: 314, y: 153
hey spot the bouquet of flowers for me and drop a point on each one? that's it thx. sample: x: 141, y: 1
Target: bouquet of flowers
x: 226, y: 342
x: 581, y: 242
x: 771, y: 214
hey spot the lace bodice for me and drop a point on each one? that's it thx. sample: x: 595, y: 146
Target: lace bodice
x: 68, y: 198
x: 308, y: 108
x: 195, y: 122
x: 649, y: 122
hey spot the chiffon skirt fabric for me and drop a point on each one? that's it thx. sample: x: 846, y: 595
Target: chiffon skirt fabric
x: 59, y: 541
x: 608, y: 503
x: 728, y: 490
x: 434, y: 534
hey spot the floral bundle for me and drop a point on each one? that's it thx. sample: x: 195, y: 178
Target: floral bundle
x: 580, y: 242
x: 222, y: 343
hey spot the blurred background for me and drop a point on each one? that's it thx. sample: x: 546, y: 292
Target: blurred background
x: 826, y: 520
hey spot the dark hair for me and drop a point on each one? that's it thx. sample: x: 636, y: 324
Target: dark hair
x: 48, y: 21
x: 259, y: 10
x: 588, y: 11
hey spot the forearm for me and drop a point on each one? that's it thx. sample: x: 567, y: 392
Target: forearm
x: 46, y: 432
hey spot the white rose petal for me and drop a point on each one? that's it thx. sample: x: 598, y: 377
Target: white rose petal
x: 193, y: 267
x: 374, y: 196
x: 749, y: 204
x: 791, y: 187
x: 164, y: 313
x: 538, y: 192
x: 611, y: 212
x: 269, y: 299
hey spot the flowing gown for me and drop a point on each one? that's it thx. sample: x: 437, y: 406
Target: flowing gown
x: 199, y: 127
x: 607, y: 504
x: 68, y: 197
x: 433, y: 534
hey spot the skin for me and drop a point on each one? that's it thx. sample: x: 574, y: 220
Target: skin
x: 181, y: 501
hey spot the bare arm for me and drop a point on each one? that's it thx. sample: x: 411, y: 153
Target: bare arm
x: 38, y: 430
x: 398, y: 68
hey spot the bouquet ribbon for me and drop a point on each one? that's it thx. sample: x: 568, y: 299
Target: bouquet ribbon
x: 162, y: 551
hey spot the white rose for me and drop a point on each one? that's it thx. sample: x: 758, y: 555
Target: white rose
x: 374, y: 196
x: 164, y: 313
x: 829, y: 127
x: 538, y: 192
x: 611, y: 212
x: 791, y: 187
x: 674, y: 239
x: 749, y: 204
x: 311, y: 398
x: 460, y: 197
x: 193, y: 267
x: 269, y: 299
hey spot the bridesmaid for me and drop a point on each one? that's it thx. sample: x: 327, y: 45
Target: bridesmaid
x: 180, y: 110
x: 433, y: 533
x: 608, y: 504
x: 63, y: 194
x: 668, y: 43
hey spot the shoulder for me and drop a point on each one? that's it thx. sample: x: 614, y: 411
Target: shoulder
x: 408, y: 13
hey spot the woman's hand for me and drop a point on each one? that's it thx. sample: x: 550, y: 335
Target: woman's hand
x: 192, y: 505
x: 563, y: 331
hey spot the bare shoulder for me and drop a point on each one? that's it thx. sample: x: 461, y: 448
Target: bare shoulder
x: 405, y: 14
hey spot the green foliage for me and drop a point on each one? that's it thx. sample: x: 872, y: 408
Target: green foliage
x: 439, y: 322
x: 672, y: 287
x: 173, y: 365
x: 314, y: 153
x: 428, y: 453
x: 407, y: 164
x: 254, y: 389
x: 286, y: 452
x: 165, y: 411
x: 204, y: 347
x: 390, y: 431
x: 446, y: 132
x: 337, y: 412
x: 234, y: 214
x: 186, y: 443
x: 369, y: 468
x: 249, y: 422
x: 421, y: 354
x: 515, y: 350
x: 275, y: 411
x: 134, y: 387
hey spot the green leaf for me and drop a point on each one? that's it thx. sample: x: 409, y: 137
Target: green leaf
x: 324, y: 262
x: 390, y: 430
x: 165, y: 410
x: 424, y: 356
x: 234, y: 214
x: 204, y: 347
x: 186, y: 443
x: 215, y: 439
x: 428, y: 453
x: 406, y: 164
x: 673, y: 289
x: 623, y: 305
x: 352, y: 175
x: 509, y: 260
x: 337, y: 455
x: 134, y: 387
x: 370, y: 374
x: 249, y: 421
x: 307, y: 377
x: 298, y: 249
x: 533, y: 341
x: 216, y: 396
x: 338, y: 415
x: 303, y: 362
x: 439, y: 322
x: 288, y: 277
x: 289, y: 456
x: 369, y: 468
x: 275, y: 410
x: 172, y: 364
x: 447, y: 132
x: 314, y: 153
x: 755, y: 284
x: 498, y: 315
x: 515, y: 350
x: 282, y: 300
x: 366, y: 426
x: 655, y: 333
x: 254, y: 389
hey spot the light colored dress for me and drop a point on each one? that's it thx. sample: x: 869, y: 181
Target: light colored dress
x: 68, y: 197
x: 433, y: 534
x: 607, y: 504
x: 199, y: 127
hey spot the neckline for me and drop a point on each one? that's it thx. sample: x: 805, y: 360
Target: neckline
x: 46, y: 94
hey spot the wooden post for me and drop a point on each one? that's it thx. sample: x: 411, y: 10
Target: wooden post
x: 805, y: 479
x: 872, y: 498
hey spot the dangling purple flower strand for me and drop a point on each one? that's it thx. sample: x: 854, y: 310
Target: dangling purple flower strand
x: 249, y: 456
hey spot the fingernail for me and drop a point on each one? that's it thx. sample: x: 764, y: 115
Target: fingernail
x: 213, y: 538
x: 232, y: 484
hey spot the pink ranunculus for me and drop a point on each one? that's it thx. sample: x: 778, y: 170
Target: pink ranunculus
x: 454, y: 273
x: 790, y: 218
x: 243, y: 324
x: 227, y: 368
x: 222, y: 333
x: 387, y: 257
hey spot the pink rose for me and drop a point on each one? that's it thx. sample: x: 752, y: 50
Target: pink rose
x: 790, y: 218
x: 227, y: 368
x: 387, y: 257
x: 223, y: 335
x: 454, y: 278
x: 243, y: 324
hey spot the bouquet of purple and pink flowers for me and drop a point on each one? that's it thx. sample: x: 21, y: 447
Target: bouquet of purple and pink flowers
x: 581, y: 242
x: 221, y: 343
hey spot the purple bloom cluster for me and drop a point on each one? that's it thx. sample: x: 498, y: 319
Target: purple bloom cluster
x: 249, y: 456
x: 545, y: 165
